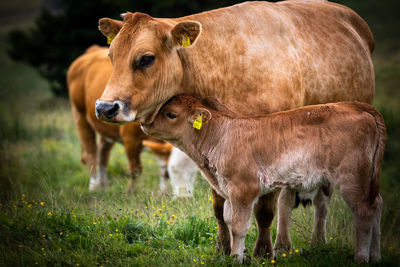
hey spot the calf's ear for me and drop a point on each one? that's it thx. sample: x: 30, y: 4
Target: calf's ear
x: 110, y: 27
x: 185, y: 33
x: 200, y: 114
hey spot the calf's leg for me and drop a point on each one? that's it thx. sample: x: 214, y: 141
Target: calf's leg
x: 286, y: 202
x: 264, y: 211
x: 240, y: 218
x: 364, y: 214
x: 375, y: 248
x: 223, y: 240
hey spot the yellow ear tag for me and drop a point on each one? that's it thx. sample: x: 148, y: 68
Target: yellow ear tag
x: 198, y: 122
x: 110, y: 38
x: 185, y: 41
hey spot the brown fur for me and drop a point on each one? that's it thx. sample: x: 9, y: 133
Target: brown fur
x: 87, y: 77
x: 341, y: 143
x: 254, y: 57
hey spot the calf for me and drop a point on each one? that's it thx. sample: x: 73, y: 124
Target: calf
x: 340, y: 143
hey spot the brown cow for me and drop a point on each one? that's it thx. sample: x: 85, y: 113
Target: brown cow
x: 255, y: 58
x: 340, y: 143
x: 87, y: 77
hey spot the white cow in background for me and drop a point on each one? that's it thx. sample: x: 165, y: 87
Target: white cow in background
x: 182, y: 172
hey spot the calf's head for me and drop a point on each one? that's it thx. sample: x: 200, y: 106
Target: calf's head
x: 175, y: 119
x: 147, y: 67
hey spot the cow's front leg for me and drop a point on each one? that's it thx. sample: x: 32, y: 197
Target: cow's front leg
x: 132, y: 138
x: 264, y: 211
x: 321, y: 203
x: 286, y: 202
x: 103, y: 155
x: 223, y: 240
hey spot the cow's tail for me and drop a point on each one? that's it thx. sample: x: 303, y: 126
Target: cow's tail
x: 158, y: 148
x: 378, y: 155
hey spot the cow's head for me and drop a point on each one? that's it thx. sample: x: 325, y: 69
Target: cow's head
x: 147, y: 68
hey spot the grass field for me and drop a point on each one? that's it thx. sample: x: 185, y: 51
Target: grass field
x: 49, y: 218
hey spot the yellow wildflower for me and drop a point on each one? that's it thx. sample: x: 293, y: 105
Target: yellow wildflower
x: 42, y: 203
x: 49, y: 213
x: 284, y: 255
x: 297, y: 251
x: 272, y: 261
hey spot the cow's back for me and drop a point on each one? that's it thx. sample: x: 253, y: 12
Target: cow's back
x: 277, y: 56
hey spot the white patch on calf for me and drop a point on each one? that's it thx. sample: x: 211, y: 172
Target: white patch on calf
x: 295, y: 169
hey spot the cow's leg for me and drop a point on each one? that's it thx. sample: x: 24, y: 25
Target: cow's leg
x: 286, y: 202
x: 103, y: 155
x: 240, y: 223
x: 223, y: 240
x: 87, y: 138
x: 321, y: 203
x: 264, y: 211
x: 375, y: 248
x: 133, y: 146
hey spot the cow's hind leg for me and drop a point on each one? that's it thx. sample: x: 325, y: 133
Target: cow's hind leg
x: 321, y: 203
x: 286, y: 202
x: 87, y: 138
x: 375, y: 248
x: 264, y: 211
x: 223, y: 240
x: 103, y: 155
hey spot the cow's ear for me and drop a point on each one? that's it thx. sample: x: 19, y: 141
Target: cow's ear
x: 110, y: 27
x: 199, y: 117
x: 185, y: 33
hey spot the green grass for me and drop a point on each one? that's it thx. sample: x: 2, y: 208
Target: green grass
x: 49, y: 218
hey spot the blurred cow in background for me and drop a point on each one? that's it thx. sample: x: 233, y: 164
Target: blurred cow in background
x: 87, y: 77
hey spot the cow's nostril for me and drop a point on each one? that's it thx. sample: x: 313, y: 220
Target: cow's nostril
x: 106, y: 110
x: 112, y: 111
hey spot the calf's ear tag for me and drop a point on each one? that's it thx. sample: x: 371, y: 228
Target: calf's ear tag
x: 110, y: 38
x: 198, y: 122
x: 185, y: 41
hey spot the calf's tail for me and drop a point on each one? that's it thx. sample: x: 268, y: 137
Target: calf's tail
x: 378, y: 155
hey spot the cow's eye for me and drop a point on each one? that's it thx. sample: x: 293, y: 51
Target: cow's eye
x: 171, y: 115
x: 145, y: 61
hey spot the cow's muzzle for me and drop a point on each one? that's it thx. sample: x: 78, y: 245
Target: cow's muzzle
x: 107, y: 110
